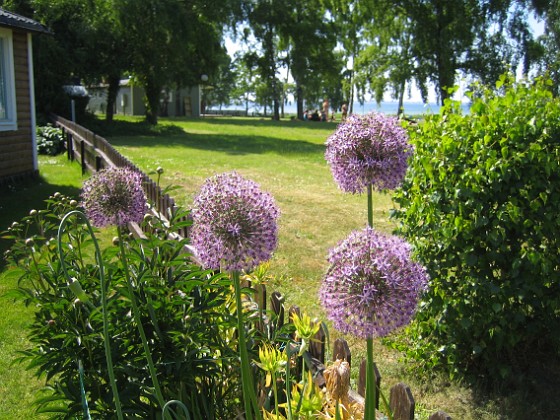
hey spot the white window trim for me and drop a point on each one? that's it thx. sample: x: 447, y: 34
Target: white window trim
x: 10, y: 123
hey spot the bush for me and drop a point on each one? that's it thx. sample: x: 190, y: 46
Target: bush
x: 49, y: 140
x: 480, y: 205
x: 185, y: 312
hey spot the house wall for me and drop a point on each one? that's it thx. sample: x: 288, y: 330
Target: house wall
x: 16, y: 147
x: 130, y: 101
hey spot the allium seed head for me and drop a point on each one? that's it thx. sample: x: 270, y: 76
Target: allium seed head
x: 234, y: 223
x: 114, y: 196
x: 372, y: 286
x: 370, y: 149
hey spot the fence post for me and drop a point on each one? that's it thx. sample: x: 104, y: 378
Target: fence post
x: 83, y: 154
x: 342, y: 351
x: 70, y: 146
x: 98, y: 163
x: 362, y: 381
x: 276, y: 304
x: 401, y: 402
x: 440, y: 415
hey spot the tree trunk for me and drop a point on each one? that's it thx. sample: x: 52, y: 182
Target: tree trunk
x: 152, y: 102
x: 112, y: 92
x: 299, y: 101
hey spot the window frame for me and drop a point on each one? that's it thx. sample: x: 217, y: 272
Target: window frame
x: 7, y: 56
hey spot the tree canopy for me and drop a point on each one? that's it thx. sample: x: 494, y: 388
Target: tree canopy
x: 342, y: 50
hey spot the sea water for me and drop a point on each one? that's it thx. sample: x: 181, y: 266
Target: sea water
x: 391, y: 108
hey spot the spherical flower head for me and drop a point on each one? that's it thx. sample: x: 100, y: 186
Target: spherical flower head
x: 372, y: 286
x: 234, y: 223
x: 114, y: 196
x: 370, y: 149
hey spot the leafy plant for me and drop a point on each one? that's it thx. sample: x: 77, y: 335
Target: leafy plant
x: 49, y: 140
x: 184, y: 310
x: 480, y: 205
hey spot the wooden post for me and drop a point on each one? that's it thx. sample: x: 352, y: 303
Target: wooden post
x: 83, y: 154
x: 98, y: 163
x: 362, y: 381
x: 440, y: 415
x: 401, y: 402
x: 70, y: 146
x: 341, y: 351
x: 317, y: 346
x: 276, y: 304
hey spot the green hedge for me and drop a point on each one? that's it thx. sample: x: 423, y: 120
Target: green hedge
x: 481, y: 206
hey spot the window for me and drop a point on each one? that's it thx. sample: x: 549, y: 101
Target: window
x: 8, y: 114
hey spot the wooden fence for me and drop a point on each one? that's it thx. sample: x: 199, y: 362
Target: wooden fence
x: 95, y: 153
x: 401, y: 401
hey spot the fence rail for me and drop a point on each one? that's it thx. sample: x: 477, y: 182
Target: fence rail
x: 96, y: 153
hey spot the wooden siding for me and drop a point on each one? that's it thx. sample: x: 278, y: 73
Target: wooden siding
x: 16, y: 147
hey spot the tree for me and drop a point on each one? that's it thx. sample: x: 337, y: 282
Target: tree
x: 265, y: 18
x: 350, y: 17
x: 387, y: 62
x: 311, y: 43
x: 245, y: 67
x: 174, y: 42
x: 546, y: 52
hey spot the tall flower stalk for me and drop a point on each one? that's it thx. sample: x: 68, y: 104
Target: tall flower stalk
x: 372, y: 286
x: 234, y: 229
x: 115, y: 197
x: 103, y: 287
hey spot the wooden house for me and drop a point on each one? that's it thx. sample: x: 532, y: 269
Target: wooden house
x: 130, y: 100
x: 18, y: 151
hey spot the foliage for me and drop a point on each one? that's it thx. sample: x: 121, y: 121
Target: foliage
x: 49, y: 140
x: 185, y: 312
x: 480, y: 205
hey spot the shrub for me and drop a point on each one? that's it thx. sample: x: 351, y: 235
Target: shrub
x: 49, y: 140
x: 185, y: 312
x: 480, y: 205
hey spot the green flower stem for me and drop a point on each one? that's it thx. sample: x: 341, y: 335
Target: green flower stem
x: 275, y: 391
x: 369, y: 410
x: 106, y: 340
x: 138, y: 319
x: 168, y: 404
x: 249, y: 397
x: 288, y: 383
x: 370, y: 205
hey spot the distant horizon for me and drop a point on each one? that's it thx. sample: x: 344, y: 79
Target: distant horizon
x: 387, y: 107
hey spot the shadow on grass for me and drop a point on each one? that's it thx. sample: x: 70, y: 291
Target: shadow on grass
x: 230, y: 144
x: 17, y: 200
x: 263, y: 122
x: 167, y: 134
x: 532, y: 393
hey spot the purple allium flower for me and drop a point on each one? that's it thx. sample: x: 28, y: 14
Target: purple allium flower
x: 234, y: 223
x: 368, y: 149
x: 114, y: 196
x: 372, y: 286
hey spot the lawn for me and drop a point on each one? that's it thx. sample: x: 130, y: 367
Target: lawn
x: 18, y: 387
x: 286, y: 158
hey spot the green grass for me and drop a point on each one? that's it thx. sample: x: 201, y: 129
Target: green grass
x: 286, y: 158
x: 18, y: 387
